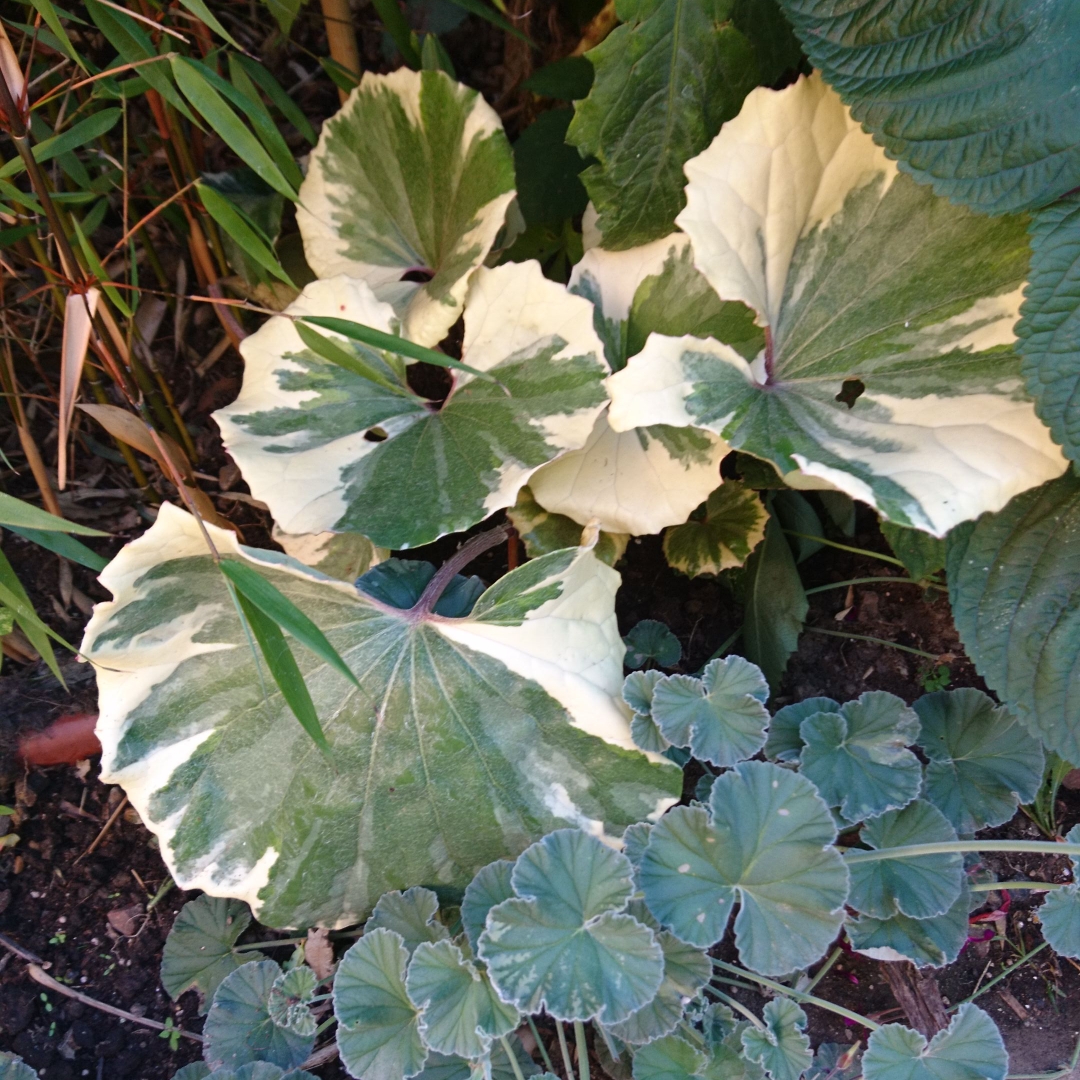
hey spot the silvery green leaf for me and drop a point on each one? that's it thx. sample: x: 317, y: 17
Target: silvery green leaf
x: 460, y: 1013
x: 858, y: 756
x: 14, y: 1068
x: 784, y: 743
x: 254, y: 1070
x: 669, y: 1058
x: 782, y: 1049
x: 198, y: 952
x: 413, y: 174
x: 289, y: 999
x: 378, y: 1026
x: 449, y: 1067
x: 197, y: 1070
x: 766, y: 845
x: 543, y: 532
x: 731, y: 526
x: 970, y: 1048
x: 563, y: 945
x: 931, y: 942
x: 229, y: 782
x: 983, y: 763
x: 919, y: 887
x: 647, y: 735
x: 412, y: 914
x: 1060, y: 918
x: 721, y: 717
x: 635, y: 840
x: 651, y: 641
x: 638, y: 688
x: 791, y: 210
x: 327, y: 448
x: 239, y: 1029
x: 489, y: 887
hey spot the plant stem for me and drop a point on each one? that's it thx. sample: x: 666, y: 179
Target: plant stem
x: 565, y: 1050
x: 846, y: 547
x: 866, y: 581
x: 582, y: 1050
x: 911, y: 851
x: 739, y: 1007
x: 1033, y: 886
x: 457, y: 562
x: 824, y: 969
x: 540, y: 1045
x: 513, y: 1058
x: 872, y: 640
x: 726, y: 645
x: 1001, y: 975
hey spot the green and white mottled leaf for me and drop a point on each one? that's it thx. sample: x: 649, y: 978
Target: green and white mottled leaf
x: 299, y: 429
x: 14, y: 1068
x: 460, y: 1012
x: 466, y: 740
x: 669, y: 1058
x: 413, y: 174
x: 767, y: 845
x: 976, y: 98
x: 1014, y: 586
x: 491, y: 886
x: 921, y: 553
x: 731, y: 526
x: 563, y: 945
x: 1060, y: 918
x: 932, y: 942
x: 794, y: 210
x: 412, y: 914
x: 983, y: 764
x: 543, y: 532
x: 289, y: 999
x: 650, y: 641
x: 919, y: 887
x: 1049, y: 327
x: 665, y: 81
x: 858, y: 756
x: 783, y: 1048
x: 198, y: 952
x: 239, y: 1028
x: 970, y: 1048
x: 721, y: 717
x: 345, y: 556
x: 378, y: 1026
x: 784, y: 743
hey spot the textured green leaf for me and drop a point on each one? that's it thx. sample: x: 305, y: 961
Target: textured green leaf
x: 698, y: 865
x: 784, y: 742
x: 977, y: 98
x: 14, y: 1068
x: 467, y: 738
x: 921, y: 553
x: 239, y: 1029
x: 563, y: 945
x: 733, y: 524
x: 970, y: 1048
x: 449, y: 1067
x: 775, y: 44
x: 328, y: 449
x: 566, y: 80
x: 783, y: 1048
x: 869, y: 285
x: 982, y: 762
x: 932, y: 942
x: 651, y: 641
x: 858, y: 756
x: 721, y: 717
x: 835, y: 1061
x: 665, y: 82
x: 543, y: 532
x: 13, y: 596
x: 414, y: 174
x: 1060, y: 918
x: 1014, y: 585
x: 546, y: 169
x: 669, y: 1058
x: 378, y: 1026
x: 410, y: 914
x: 637, y: 693
x: 491, y: 886
x: 198, y: 952
x: 289, y: 999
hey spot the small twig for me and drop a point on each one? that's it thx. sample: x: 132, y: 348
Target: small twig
x: 19, y: 951
x: 321, y: 1057
x: 104, y: 829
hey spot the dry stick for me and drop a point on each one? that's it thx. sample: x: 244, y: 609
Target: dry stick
x: 321, y: 1057
x: 18, y: 950
x: 341, y: 38
x: 39, y: 976
x: 104, y: 829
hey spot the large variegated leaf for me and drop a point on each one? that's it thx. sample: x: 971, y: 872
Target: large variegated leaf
x: 891, y: 371
x: 466, y: 739
x: 412, y: 176
x: 543, y: 532
x: 328, y: 449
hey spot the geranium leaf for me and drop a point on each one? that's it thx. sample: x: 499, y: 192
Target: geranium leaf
x: 669, y: 1058
x: 698, y: 865
x: 14, y: 1068
x: 1014, y: 582
x: 977, y: 100
x: 289, y: 999
x: 651, y: 641
x: 784, y: 742
x: 732, y: 526
x: 919, y: 887
x: 413, y: 174
x: 543, y: 532
x: 932, y: 942
x: 460, y: 1013
x: 562, y: 945
x: 782, y: 1049
x: 378, y: 1026
x: 721, y: 717
x: 198, y: 952
x: 1060, y: 918
x: 451, y: 1067
x: 835, y: 1061
x: 410, y: 914
x: 239, y: 1029
x: 858, y: 755
x: 924, y: 342
x: 638, y: 689
x: 970, y: 1048
x: 921, y: 553
x: 498, y: 692
x: 328, y: 449
x: 491, y: 886
x: 982, y: 761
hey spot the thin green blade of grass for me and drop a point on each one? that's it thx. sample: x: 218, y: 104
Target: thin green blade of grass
x: 330, y: 350
x: 66, y: 546
x: 15, y: 512
x: 101, y: 274
x: 397, y: 26
x: 274, y: 91
x: 230, y: 218
x: 13, y: 595
x: 199, y: 9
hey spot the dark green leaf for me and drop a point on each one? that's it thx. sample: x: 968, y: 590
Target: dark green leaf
x: 921, y: 553
x: 400, y: 583
x: 287, y: 107
x: 63, y: 545
x: 489, y: 14
x: 285, y: 12
x: 232, y: 222
x: 547, y: 169
x: 568, y: 79
x: 199, y: 9
x: 393, y: 18
x: 778, y: 49
x: 652, y: 641
x: 13, y: 595
x: 17, y: 513
x: 52, y: 20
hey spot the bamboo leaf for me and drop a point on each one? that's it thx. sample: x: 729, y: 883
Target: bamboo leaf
x: 13, y: 595
x: 234, y: 222
x: 52, y: 20
x: 100, y: 272
x: 330, y: 350
x: 66, y: 546
x: 22, y: 515
x: 393, y: 18
x: 277, y: 95
x: 199, y: 9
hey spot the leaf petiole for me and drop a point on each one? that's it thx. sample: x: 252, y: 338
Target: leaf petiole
x: 853, y: 856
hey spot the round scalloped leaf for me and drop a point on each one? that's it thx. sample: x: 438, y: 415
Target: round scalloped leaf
x: 983, y: 763
x: 926, y: 942
x: 197, y: 1070
x: 721, y: 717
x: 460, y: 1012
x: 289, y: 999
x: 326, y: 448
x: 543, y: 532
x: 412, y: 914
x: 1060, y: 918
x: 976, y: 98
x: 239, y: 1028
x: 255, y: 1070
x: 869, y: 285
x: 414, y: 174
x: 14, y: 1068
x: 732, y: 525
x: 970, y: 1048
x: 378, y: 1026
x: 524, y: 692
x: 767, y: 846
x: 784, y: 743
x: 782, y: 1049
x: 489, y: 887
x: 669, y: 1058
x: 1014, y: 586
x: 563, y: 945
x: 919, y: 887
x: 651, y: 641
x: 858, y: 756
x: 495, y: 1066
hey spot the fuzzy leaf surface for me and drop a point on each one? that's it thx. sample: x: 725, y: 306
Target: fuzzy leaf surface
x: 783, y: 1048
x: 412, y: 914
x: 932, y: 942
